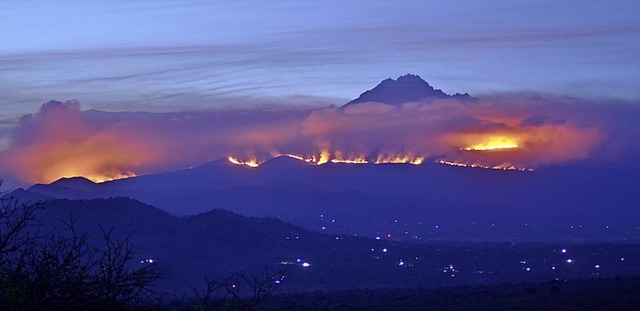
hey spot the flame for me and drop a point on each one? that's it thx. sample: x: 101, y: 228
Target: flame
x: 325, y: 156
x: 407, y: 158
x: 98, y: 159
x: 494, y: 143
x: 104, y: 178
x: 61, y: 141
x: 340, y: 158
x: 350, y: 161
x: 311, y: 159
x: 297, y: 157
x: 250, y: 163
x: 68, y: 170
x: 505, y: 166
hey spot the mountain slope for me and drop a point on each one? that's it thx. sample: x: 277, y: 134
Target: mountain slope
x: 407, y: 88
x: 218, y: 243
x: 416, y: 202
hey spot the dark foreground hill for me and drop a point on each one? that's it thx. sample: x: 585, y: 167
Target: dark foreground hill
x: 218, y: 243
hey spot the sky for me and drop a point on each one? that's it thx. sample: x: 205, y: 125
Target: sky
x: 200, y: 58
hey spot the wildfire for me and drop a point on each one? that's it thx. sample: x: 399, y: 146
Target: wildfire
x: 340, y: 158
x: 397, y: 159
x: 494, y: 143
x: 103, y: 178
x: 325, y: 156
x: 311, y: 160
x: 350, y: 161
x: 249, y: 163
x: 68, y: 170
x: 503, y: 166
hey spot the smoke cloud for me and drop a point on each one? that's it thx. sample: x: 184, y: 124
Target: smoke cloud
x: 61, y: 140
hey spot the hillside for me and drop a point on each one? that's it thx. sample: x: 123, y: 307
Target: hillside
x: 218, y: 243
x: 411, y: 202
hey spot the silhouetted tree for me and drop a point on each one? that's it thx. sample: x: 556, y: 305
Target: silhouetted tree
x: 240, y: 291
x: 60, y: 270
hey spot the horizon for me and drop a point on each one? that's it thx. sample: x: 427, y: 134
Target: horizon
x: 513, y: 131
x: 558, y: 80
x: 189, y: 154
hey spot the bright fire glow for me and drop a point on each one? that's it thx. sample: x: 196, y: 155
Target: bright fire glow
x: 297, y: 157
x: 494, y: 143
x: 407, y: 158
x: 62, y: 141
x: 98, y: 160
x: 326, y: 156
x: 97, y: 177
x: 340, y: 158
x: 312, y: 159
x: 503, y: 166
x: 350, y: 161
x: 103, y: 178
x: 249, y: 163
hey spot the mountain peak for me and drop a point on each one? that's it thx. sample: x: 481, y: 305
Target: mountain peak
x: 406, y: 88
x: 283, y: 162
x: 74, y: 182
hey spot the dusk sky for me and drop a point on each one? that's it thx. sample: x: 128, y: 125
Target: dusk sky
x: 176, y: 56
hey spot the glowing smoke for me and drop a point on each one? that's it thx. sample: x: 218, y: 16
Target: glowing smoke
x: 62, y: 141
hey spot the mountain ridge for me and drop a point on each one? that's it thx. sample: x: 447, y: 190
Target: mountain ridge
x: 361, y: 199
x: 406, y: 88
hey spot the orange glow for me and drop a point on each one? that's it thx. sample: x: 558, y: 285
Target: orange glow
x: 297, y: 157
x: 350, y: 161
x: 399, y: 159
x: 83, y: 168
x: 503, y: 166
x: 250, y: 163
x: 324, y: 157
x: 340, y: 158
x: 103, y: 178
x: 494, y: 143
x: 61, y: 141
x: 312, y: 159
x: 98, y: 158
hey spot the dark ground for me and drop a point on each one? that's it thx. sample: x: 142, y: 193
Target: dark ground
x: 595, y: 294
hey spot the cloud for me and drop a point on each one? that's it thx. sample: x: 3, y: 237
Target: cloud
x: 541, y: 119
x: 61, y: 140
